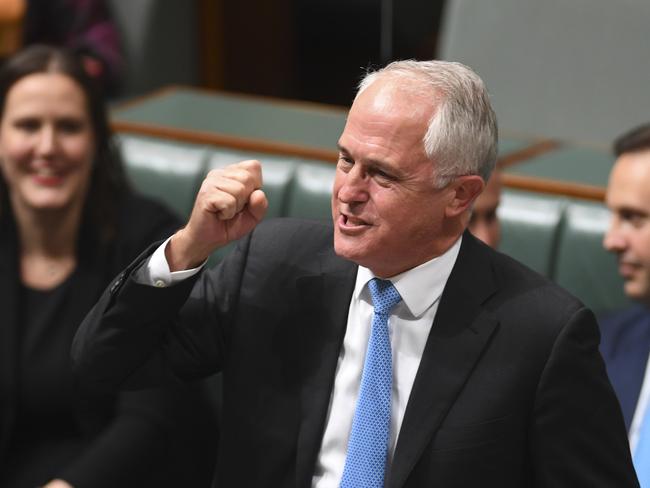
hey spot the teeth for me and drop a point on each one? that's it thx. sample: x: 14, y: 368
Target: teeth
x: 45, y: 172
x: 353, y: 221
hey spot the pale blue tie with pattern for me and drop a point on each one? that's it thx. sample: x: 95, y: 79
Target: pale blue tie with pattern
x: 365, y: 463
x: 642, y: 452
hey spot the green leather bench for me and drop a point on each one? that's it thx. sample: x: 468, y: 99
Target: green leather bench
x: 581, y: 265
x: 558, y: 237
x: 171, y: 172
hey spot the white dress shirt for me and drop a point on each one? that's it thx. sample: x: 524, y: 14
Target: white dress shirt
x: 409, y: 326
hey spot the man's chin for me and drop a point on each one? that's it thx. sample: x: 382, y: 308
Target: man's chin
x: 636, y: 292
x: 348, y: 248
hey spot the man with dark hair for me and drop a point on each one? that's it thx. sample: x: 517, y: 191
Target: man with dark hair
x: 392, y: 349
x: 626, y: 334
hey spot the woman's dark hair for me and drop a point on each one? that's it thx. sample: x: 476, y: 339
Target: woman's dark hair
x: 108, y: 178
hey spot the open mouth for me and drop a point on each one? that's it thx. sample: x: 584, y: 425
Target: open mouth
x: 627, y: 269
x: 48, y: 177
x: 48, y: 180
x: 350, y: 222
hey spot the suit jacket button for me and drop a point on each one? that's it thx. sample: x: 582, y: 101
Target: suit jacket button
x: 117, y: 283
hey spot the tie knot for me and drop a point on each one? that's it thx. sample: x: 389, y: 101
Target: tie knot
x: 384, y: 295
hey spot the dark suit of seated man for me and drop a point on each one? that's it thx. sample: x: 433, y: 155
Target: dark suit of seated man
x: 390, y: 349
x: 626, y: 334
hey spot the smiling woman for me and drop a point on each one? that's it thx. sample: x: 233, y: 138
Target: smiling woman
x: 68, y: 224
x: 47, y: 143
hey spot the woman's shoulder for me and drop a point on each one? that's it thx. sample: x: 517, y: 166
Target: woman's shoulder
x: 140, y: 222
x: 143, y: 215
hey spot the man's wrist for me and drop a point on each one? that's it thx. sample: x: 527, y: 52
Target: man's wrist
x: 182, y: 253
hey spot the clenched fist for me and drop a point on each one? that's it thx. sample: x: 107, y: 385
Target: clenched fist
x: 229, y: 204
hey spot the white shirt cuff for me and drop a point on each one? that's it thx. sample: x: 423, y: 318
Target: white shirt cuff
x: 156, y: 270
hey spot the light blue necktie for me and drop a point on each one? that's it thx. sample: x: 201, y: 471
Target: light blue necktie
x: 642, y: 452
x: 365, y: 463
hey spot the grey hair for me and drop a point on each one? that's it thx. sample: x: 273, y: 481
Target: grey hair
x: 462, y: 134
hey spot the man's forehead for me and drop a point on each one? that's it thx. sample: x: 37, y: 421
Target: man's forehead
x: 632, y: 168
x: 629, y: 182
x: 392, y: 94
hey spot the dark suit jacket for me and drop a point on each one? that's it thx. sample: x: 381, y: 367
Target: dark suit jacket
x: 625, y: 347
x: 511, y: 390
x: 129, y: 439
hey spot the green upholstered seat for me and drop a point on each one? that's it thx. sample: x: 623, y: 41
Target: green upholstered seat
x: 582, y: 265
x: 169, y: 172
x: 311, y: 191
x: 529, y: 224
x: 570, y: 164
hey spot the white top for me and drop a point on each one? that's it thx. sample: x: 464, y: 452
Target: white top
x: 409, y: 326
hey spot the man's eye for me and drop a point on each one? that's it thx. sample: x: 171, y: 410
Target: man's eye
x: 637, y: 220
x: 345, y: 162
x: 633, y: 218
x: 382, y: 176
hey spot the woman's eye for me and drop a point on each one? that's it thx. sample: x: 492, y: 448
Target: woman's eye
x: 70, y: 126
x: 27, y: 125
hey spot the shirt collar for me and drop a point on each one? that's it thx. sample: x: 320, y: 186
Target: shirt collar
x: 419, y: 287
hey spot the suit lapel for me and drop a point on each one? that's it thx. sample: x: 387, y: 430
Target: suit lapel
x: 324, y: 301
x: 460, y: 332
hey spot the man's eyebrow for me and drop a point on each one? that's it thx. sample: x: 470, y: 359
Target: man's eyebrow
x: 632, y: 210
x: 374, y: 163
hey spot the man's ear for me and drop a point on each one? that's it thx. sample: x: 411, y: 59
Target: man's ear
x: 465, y: 190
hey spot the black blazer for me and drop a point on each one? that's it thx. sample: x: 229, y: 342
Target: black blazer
x: 511, y: 390
x: 131, y: 438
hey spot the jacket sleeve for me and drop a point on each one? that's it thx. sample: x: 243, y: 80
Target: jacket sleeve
x: 141, y: 336
x: 153, y: 437
x: 577, y: 434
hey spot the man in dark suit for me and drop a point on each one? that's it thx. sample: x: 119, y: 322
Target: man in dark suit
x: 393, y: 349
x: 626, y: 334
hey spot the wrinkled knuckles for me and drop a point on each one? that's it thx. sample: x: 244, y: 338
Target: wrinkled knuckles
x: 226, y: 206
x: 214, y: 174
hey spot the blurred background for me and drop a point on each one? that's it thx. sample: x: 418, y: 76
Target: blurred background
x: 573, y: 69
x: 304, y: 49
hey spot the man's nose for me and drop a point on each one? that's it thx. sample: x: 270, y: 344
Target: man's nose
x: 614, y: 239
x: 355, y: 186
